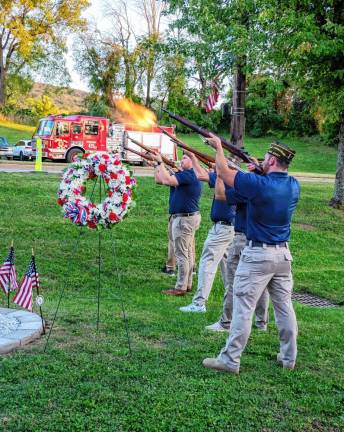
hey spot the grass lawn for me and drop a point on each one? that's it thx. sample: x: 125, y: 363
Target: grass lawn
x: 14, y: 131
x: 88, y: 382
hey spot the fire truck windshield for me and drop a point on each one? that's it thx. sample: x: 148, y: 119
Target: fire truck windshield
x: 45, y: 127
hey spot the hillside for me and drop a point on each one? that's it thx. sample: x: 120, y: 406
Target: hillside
x: 67, y: 99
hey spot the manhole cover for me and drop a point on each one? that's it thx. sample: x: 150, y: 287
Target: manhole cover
x: 312, y: 300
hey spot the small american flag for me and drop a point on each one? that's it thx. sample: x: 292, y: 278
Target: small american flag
x: 8, y: 280
x: 212, y: 98
x: 30, y: 281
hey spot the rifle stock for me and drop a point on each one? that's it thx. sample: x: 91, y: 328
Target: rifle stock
x: 149, y: 150
x: 243, y: 155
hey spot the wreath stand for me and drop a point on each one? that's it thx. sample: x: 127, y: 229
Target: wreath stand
x: 102, y: 190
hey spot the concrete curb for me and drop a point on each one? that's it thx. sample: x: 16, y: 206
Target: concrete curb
x: 29, y: 329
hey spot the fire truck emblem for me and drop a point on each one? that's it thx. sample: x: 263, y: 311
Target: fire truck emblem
x: 61, y: 144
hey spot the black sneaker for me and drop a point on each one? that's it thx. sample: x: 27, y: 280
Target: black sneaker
x: 168, y: 271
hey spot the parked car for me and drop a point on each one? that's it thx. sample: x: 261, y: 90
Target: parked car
x: 5, y: 148
x: 23, y: 150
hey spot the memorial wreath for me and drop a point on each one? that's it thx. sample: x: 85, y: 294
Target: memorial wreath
x: 118, y: 185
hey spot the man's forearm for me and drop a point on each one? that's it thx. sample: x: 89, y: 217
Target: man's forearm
x: 201, y: 173
x: 164, y: 175
x: 225, y: 173
x: 157, y: 175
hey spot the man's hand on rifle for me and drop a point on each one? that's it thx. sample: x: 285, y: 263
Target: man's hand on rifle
x: 214, y: 141
x: 251, y: 167
x: 190, y: 154
x: 156, y: 156
x: 150, y: 162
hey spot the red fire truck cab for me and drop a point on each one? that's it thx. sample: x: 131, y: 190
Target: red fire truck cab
x: 64, y: 137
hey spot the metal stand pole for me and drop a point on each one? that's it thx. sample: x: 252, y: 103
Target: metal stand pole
x: 68, y: 270
x: 125, y: 319
x: 99, y: 262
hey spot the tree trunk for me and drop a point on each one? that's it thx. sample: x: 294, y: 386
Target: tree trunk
x: 2, y: 86
x: 338, y: 197
x: 150, y: 77
x: 127, y: 81
x: 237, y: 131
x: 203, y: 85
x: 148, y: 90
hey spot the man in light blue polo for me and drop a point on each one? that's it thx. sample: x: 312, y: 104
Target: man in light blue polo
x: 266, y: 260
x: 234, y: 252
x: 217, y: 243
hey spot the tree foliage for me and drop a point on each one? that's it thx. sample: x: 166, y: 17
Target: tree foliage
x: 308, y: 45
x: 30, y: 30
x: 99, y: 61
x: 273, y: 106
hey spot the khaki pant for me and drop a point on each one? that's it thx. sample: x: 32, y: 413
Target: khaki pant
x: 260, y: 267
x: 171, y: 256
x: 215, y: 252
x: 262, y: 308
x: 183, y: 233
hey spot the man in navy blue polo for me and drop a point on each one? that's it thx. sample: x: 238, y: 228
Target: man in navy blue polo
x: 266, y: 260
x: 218, y: 241
x: 186, y: 218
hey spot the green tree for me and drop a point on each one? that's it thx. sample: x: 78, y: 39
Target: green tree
x: 29, y: 30
x: 123, y: 34
x: 151, y: 12
x: 42, y: 106
x: 98, y: 60
x: 229, y: 33
x: 307, y: 43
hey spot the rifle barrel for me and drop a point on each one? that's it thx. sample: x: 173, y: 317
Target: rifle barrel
x: 228, y: 146
x: 165, y: 159
x: 143, y: 155
x: 181, y: 144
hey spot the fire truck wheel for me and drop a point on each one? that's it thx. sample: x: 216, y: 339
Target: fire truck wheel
x: 72, y: 154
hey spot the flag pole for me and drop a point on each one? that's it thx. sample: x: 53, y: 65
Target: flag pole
x: 9, y: 282
x: 37, y: 288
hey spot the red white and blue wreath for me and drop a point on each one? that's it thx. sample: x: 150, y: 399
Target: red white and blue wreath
x: 119, y: 194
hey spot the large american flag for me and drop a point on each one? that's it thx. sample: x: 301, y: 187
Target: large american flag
x: 212, y: 98
x: 8, y: 280
x: 30, y: 281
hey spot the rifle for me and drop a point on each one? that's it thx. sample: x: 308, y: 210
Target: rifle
x: 203, y: 157
x: 143, y: 155
x: 149, y: 150
x: 243, y: 155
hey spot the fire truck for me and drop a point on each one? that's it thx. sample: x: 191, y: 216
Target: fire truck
x: 66, y: 137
